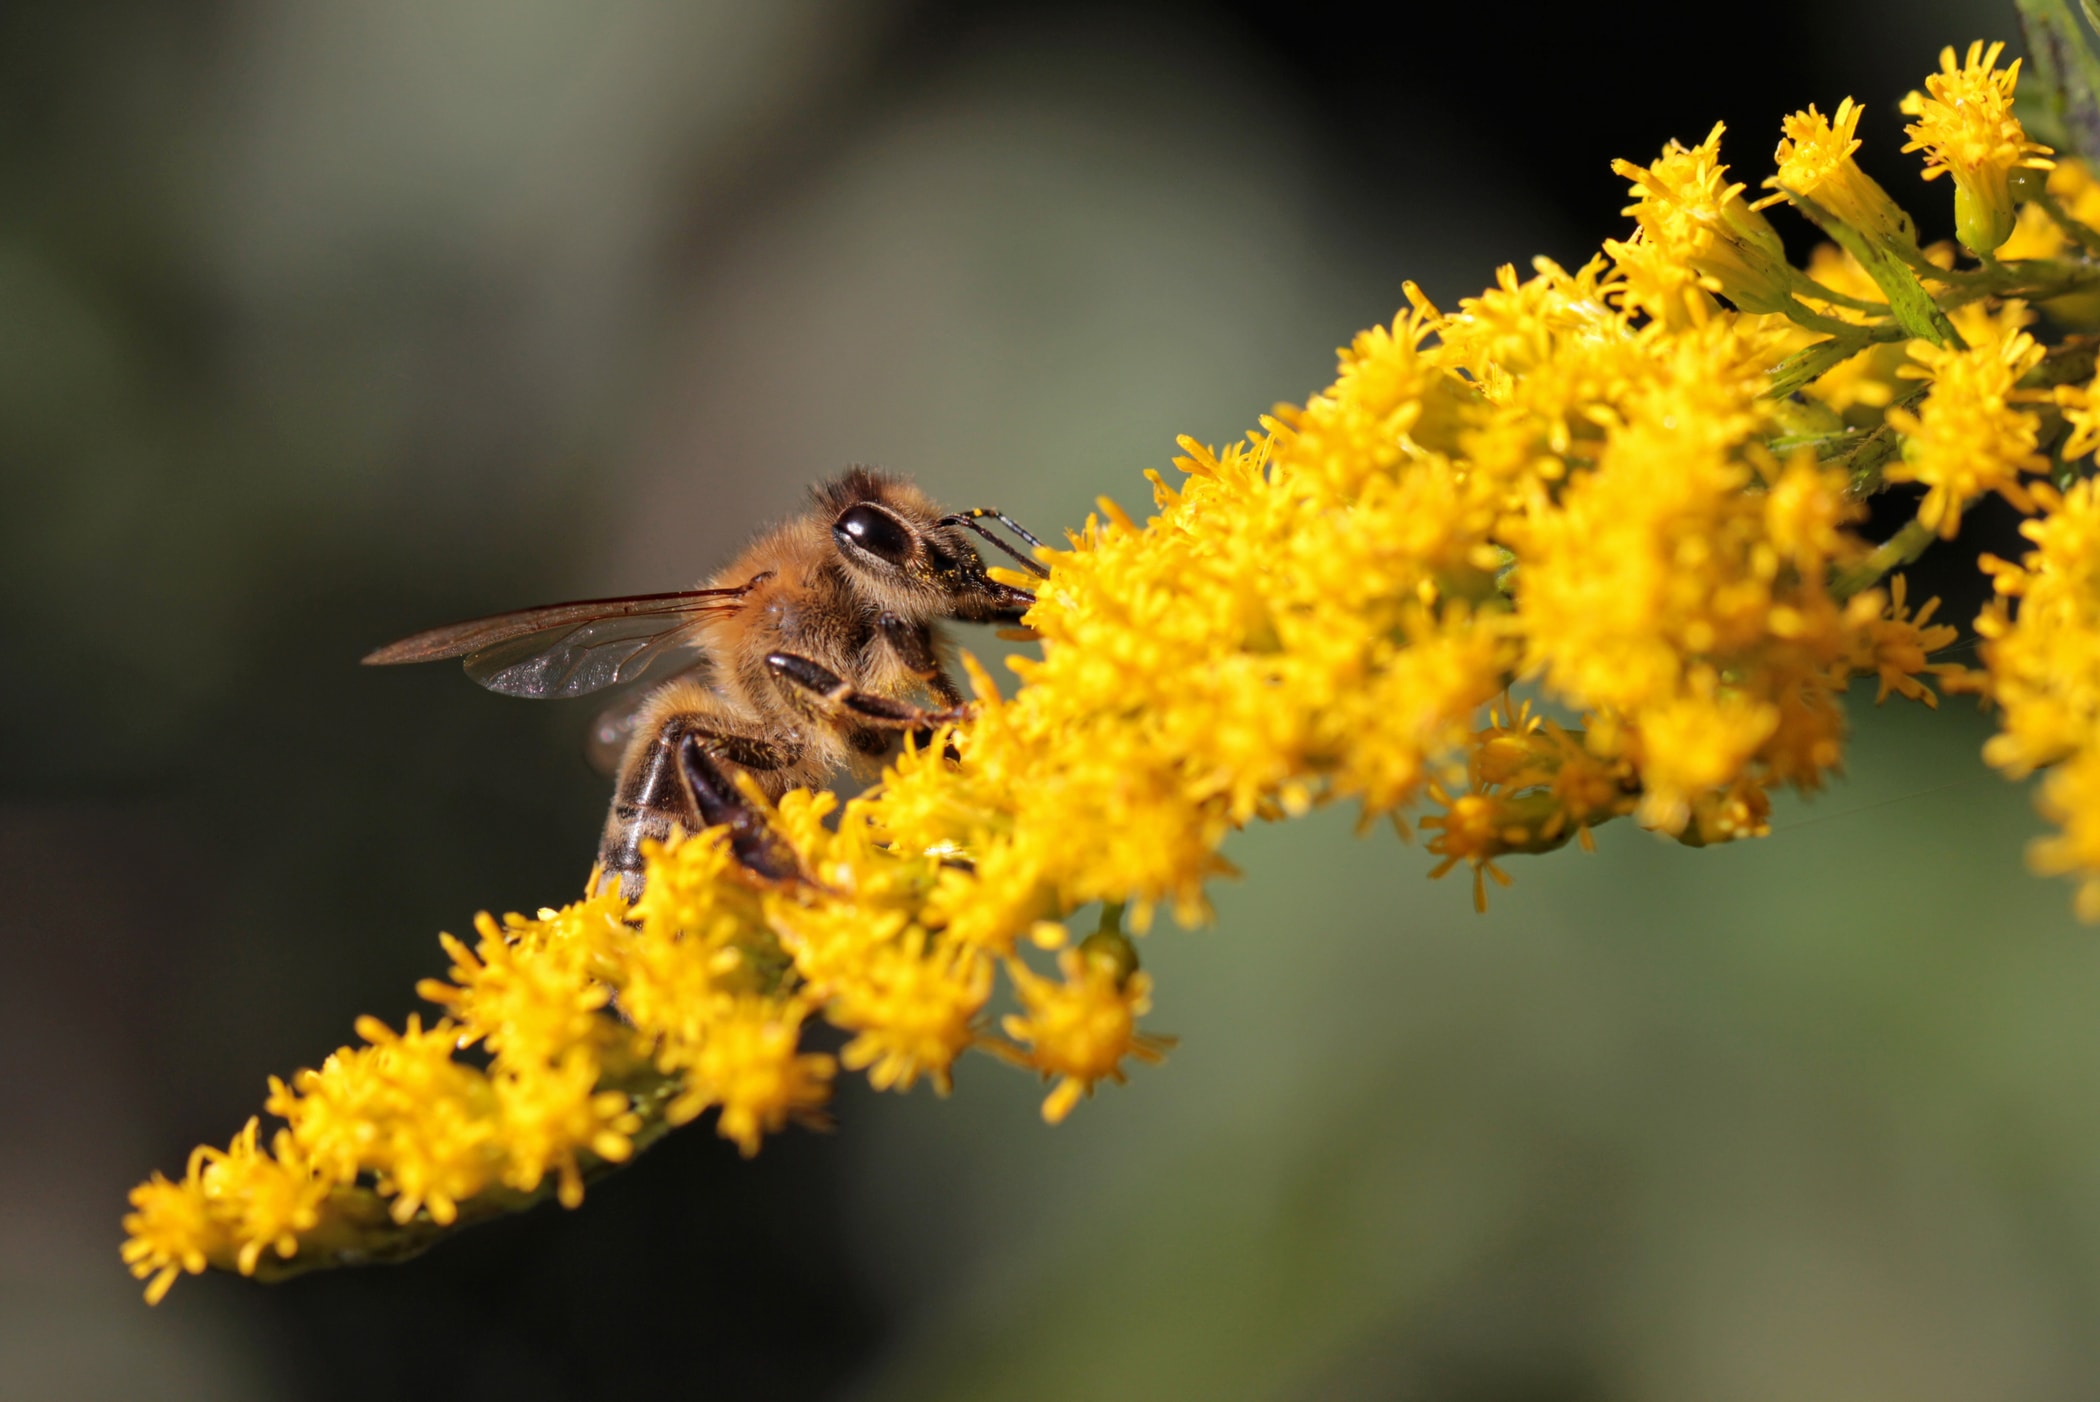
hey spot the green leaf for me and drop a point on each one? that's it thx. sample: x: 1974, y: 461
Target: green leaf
x: 1909, y: 302
x: 2062, y: 91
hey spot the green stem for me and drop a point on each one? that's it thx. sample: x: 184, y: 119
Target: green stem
x: 1109, y: 943
x: 1805, y: 367
x: 2039, y: 279
x: 1807, y: 286
x: 1894, y: 553
x: 1827, y: 445
x: 2066, y: 364
x: 2064, y: 74
x: 1865, y: 463
x: 1802, y: 315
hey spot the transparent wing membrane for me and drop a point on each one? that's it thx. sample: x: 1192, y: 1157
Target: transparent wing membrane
x: 572, y: 649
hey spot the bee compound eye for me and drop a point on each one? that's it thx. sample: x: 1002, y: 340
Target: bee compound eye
x: 874, y: 531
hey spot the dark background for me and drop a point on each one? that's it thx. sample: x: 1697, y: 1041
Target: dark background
x: 322, y: 324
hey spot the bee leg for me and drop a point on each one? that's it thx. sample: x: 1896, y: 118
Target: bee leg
x: 753, y: 842
x: 656, y: 794
x: 873, y: 711
x: 913, y: 644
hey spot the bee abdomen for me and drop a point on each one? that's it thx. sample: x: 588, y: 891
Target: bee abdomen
x: 649, y: 802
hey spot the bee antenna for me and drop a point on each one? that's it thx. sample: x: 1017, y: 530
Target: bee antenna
x: 970, y: 518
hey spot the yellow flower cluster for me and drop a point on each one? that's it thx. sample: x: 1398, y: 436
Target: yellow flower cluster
x: 1694, y: 218
x: 1815, y: 164
x: 1971, y: 436
x: 1632, y: 489
x: 603, y: 1022
x: 1967, y: 129
x: 2045, y: 675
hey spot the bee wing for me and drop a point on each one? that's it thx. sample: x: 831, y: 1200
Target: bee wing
x: 568, y: 649
x: 579, y: 660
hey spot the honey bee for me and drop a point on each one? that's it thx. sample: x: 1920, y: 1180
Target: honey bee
x: 816, y: 651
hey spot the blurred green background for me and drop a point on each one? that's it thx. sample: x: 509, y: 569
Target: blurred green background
x: 321, y: 324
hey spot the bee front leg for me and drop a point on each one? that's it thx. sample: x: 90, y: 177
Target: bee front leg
x: 913, y: 645
x: 864, y: 707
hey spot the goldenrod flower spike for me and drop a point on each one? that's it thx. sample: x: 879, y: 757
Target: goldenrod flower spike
x: 1595, y: 482
x: 1966, y: 128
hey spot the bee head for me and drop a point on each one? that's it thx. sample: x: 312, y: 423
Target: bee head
x: 908, y: 557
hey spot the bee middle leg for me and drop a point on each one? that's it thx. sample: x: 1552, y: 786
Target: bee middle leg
x: 865, y: 707
x: 676, y: 780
